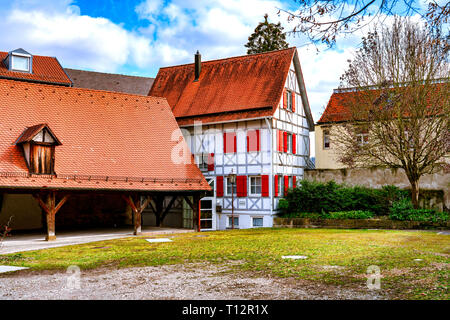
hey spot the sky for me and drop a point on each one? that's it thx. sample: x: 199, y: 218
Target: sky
x: 137, y: 37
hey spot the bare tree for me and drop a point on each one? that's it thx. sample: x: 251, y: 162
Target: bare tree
x: 324, y: 20
x: 398, y: 107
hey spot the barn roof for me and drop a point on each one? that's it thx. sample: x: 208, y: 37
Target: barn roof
x: 110, y: 141
x: 110, y: 82
x: 45, y: 70
x: 233, y: 88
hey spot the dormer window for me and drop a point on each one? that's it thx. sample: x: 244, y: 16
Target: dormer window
x: 38, y: 145
x: 19, y: 60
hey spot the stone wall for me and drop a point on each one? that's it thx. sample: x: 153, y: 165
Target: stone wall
x: 435, y: 187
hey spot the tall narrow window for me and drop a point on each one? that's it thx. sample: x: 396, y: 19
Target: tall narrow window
x: 289, y: 100
x: 326, y: 139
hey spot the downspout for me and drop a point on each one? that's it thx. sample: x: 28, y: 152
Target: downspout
x: 271, y: 165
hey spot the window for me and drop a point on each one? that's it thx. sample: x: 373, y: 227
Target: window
x: 289, y: 100
x: 289, y: 142
x: 410, y: 140
x: 38, y: 145
x: 202, y: 161
x: 257, y: 222
x: 229, y: 142
x: 20, y: 63
x: 280, y: 186
x: 362, y: 136
x: 230, y: 222
x: 42, y: 159
x: 229, y: 185
x: 326, y: 139
x: 255, y: 186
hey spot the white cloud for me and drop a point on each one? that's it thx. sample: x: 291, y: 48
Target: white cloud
x: 176, y: 30
x: 77, y: 40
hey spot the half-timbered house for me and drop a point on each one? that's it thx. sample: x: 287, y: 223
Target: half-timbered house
x: 246, y: 115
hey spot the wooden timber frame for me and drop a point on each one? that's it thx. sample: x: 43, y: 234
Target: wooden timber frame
x: 51, y: 201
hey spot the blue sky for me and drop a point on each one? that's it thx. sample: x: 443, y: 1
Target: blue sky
x: 138, y: 37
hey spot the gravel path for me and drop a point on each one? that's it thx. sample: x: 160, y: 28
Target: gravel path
x: 189, y: 281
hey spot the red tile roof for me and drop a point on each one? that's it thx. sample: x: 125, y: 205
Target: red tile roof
x: 237, y: 84
x: 336, y: 111
x: 45, y: 70
x: 110, y: 141
x: 30, y: 132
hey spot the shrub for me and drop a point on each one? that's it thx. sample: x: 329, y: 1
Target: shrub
x: 403, y: 210
x: 331, y: 197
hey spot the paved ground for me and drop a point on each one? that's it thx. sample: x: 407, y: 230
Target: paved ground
x: 195, y: 281
x: 36, y: 241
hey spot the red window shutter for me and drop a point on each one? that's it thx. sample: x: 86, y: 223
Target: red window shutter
x: 285, y: 141
x: 280, y: 140
x: 265, y: 185
x: 229, y: 142
x: 238, y: 186
x: 211, y: 162
x: 276, y: 185
x: 258, y: 144
x: 284, y: 99
x: 294, y: 179
x: 253, y: 140
x: 224, y: 142
x: 294, y: 143
x: 219, y: 187
x: 241, y: 186
x: 286, y: 184
x: 235, y: 142
x: 293, y: 101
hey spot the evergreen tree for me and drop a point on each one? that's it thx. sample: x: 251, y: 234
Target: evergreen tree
x: 267, y: 37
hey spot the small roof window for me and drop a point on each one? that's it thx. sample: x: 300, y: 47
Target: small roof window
x: 19, y: 60
x: 38, y: 145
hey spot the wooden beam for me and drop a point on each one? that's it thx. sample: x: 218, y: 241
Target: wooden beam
x: 50, y: 208
x: 169, y: 206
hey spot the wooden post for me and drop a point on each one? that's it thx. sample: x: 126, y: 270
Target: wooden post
x: 137, y: 208
x: 51, y: 208
x: 197, y: 211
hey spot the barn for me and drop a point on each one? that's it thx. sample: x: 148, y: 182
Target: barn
x: 76, y: 158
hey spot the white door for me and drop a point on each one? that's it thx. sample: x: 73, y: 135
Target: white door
x: 208, y: 208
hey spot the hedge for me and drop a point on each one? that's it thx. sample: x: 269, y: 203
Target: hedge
x: 328, y: 197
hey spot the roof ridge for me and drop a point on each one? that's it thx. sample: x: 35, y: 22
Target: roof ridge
x: 231, y: 58
x: 79, y: 89
x: 110, y: 73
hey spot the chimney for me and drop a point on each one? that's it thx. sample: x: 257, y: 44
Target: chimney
x: 198, y: 65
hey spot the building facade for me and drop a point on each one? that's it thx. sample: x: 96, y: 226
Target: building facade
x: 248, y: 116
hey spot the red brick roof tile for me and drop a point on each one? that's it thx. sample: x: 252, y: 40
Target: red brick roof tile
x: 45, y: 70
x: 228, y: 85
x: 110, y: 141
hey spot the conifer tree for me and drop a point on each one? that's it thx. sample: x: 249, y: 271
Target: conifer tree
x: 267, y: 37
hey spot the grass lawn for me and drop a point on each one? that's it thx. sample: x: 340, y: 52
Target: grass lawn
x: 260, y: 251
